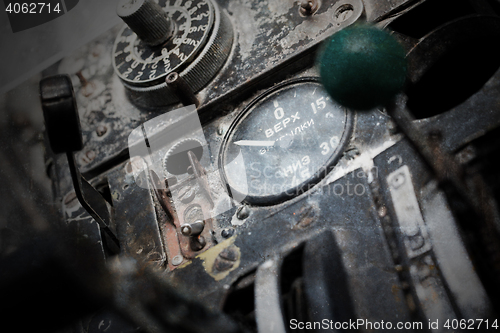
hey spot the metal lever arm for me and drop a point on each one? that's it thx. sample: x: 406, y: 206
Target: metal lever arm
x: 62, y: 124
x: 102, y: 218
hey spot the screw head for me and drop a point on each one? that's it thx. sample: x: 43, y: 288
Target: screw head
x: 101, y: 130
x: 186, y: 194
x: 87, y: 157
x: 343, y: 13
x: 308, y: 7
x: 398, y: 180
x: 172, y: 77
x: 177, y: 260
x: 226, y: 233
x: 90, y: 154
x: 243, y: 212
x: 70, y: 199
x: 352, y: 153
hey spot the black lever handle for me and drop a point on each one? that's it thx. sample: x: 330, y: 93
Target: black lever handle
x: 62, y: 124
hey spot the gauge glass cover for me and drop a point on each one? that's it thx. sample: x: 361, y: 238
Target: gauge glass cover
x: 283, y: 143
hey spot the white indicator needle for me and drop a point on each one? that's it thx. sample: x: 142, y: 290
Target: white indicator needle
x: 254, y: 143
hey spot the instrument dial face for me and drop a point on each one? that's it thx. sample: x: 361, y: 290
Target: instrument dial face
x: 141, y: 65
x: 285, y: 141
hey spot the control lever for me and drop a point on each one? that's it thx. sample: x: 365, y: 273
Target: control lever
x: 373, y: 69
x: 62, y: 124
x: 201, y: 176
x: 190, y: 227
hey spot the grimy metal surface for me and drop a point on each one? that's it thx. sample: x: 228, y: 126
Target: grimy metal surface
x: 270, y: 35
x: 379, y: 217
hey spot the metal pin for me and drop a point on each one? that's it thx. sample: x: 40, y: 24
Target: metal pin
x: 193, y: 229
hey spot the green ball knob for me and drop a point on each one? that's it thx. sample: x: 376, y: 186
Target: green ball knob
x: 362, y: 67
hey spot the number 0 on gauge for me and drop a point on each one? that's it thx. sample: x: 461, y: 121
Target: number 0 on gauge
x: 284, y: 143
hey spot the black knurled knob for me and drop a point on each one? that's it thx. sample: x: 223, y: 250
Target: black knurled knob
x: 147, y: 19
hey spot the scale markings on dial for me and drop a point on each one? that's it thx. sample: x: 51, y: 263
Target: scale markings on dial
x: 138, y: 64
x: 286, y: 140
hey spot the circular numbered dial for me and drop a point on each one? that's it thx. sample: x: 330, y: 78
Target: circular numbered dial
x: 141, y: 65
x: 284, y: 142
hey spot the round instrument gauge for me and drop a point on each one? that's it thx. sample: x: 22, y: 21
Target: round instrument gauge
x: 283, y: 143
